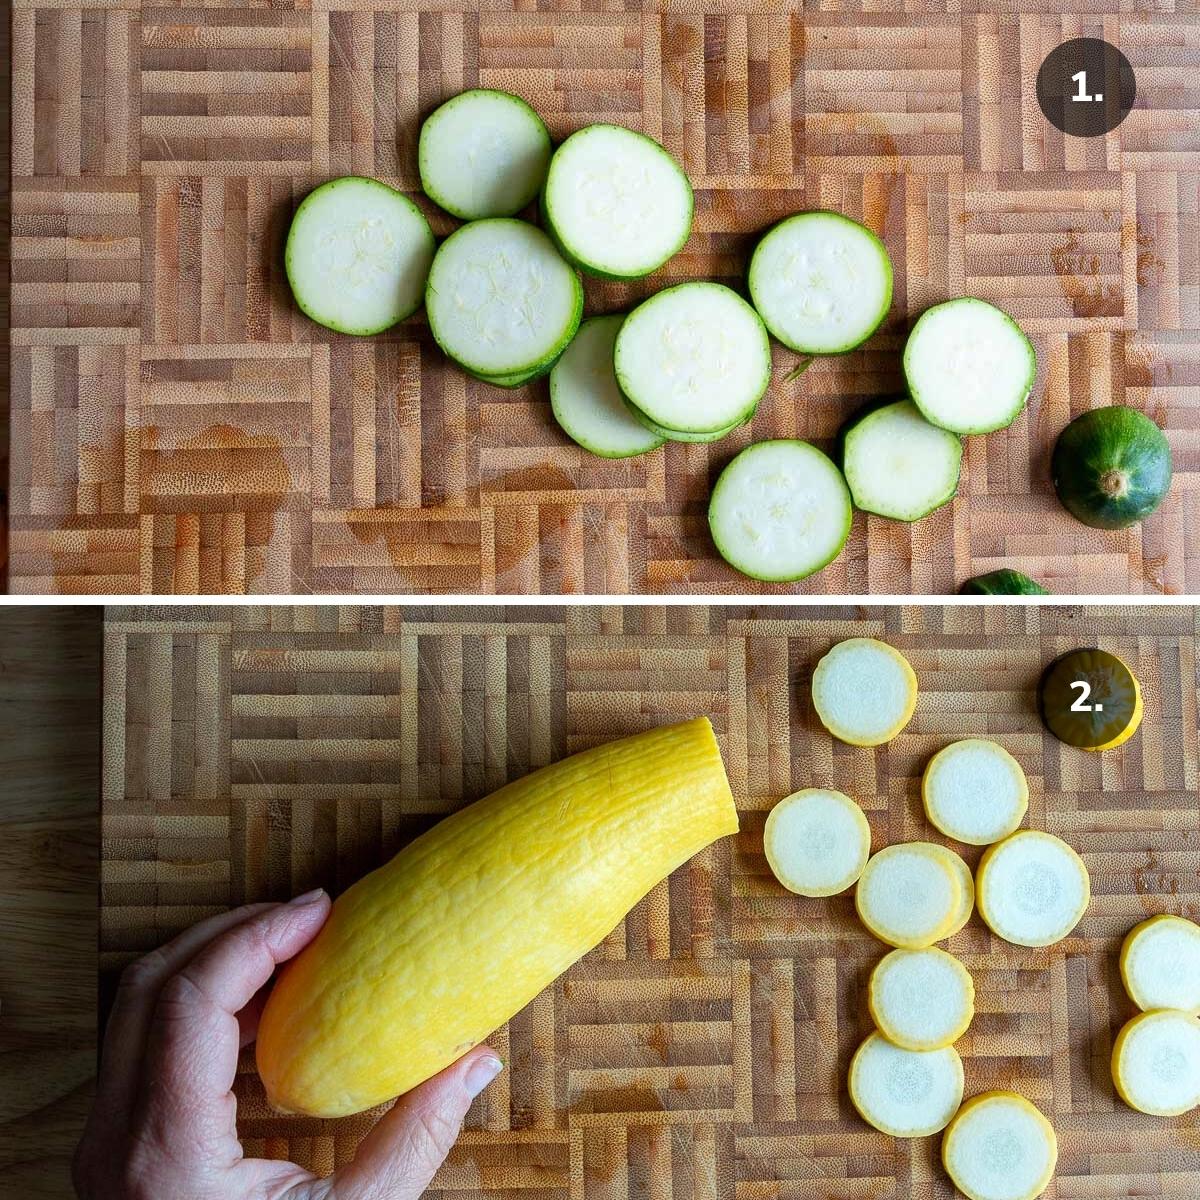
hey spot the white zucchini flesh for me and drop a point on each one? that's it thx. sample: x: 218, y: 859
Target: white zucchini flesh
x: 780, y: 511
x: 695, y: 358
x: 908, y: 896
x: 821, y: 282
x: 921, y: 999
x: 905, y: 1093
x: 585, y: 399
x: 817, y: 842
x: 969, y: 367
x: 483, y: 153
x: 898, y: 465
x: 1160, y: 963
x: 975, y: 791
x: 616, y: 201
x: 1000, y: 1147
x: 358, y: 255
x: 864, y: 691
x: 1156, y: 1062
x: 1032, y: 888
x: 501, y: 300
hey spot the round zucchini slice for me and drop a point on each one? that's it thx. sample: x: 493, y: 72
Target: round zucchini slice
x: 905, y: 1093
x: 357, y: 256
x: 1111, y: 467
x: 975, y: 791
x: 1156, y: 1062
x: 908, y: 895
x: 817, y: 842
x: 1032, y: 888
x: 1000, y: 1147
x: 1160, y: 964
x: 1090, y: 699
x: 822, y: 282
x: 969, y: 367
x: 966, y: 883
x: 1004, y: 582
x: 676, y: 435
x: 780, y: 511
x: 921, y: 999
x: 864, y: 691
x: 483, y: 153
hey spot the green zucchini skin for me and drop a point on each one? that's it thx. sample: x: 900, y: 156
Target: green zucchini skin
x: 1004, y: 582
x: 1111, y: 467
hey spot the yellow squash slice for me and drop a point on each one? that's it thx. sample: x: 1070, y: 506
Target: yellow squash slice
x: 864, y: 691
x: 1000, y: 1147
x: 1160, y: 964
x: 1032, y: 888
x: 817, y: 842
x: 905, y: 1093
x: 425, y: 957
x: 921, y: 999
x: 908, y: 895
x: 975, y: 791
x: 1156, y: 1062
x: 966, y: 882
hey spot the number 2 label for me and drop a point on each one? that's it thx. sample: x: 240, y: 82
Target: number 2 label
x: 1085, y: 690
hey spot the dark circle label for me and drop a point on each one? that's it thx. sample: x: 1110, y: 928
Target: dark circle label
x: 1086, y: 87
x: 1088, y: 698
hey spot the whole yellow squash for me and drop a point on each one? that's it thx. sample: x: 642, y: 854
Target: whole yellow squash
x: 423, y: 958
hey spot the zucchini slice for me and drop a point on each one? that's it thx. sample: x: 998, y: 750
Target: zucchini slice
x: 975, y: 791
x: 908, y: 895
x: 864, y: 691
x: 1160, y: 963
x: 674, y: 435
x: 968, y: 366
x: 1156, y: 1062
x: 1111, y: 467
x: 1004, y: 582
x: 357, y: 255
x: 966, y: 883
x: 822, y: 282
x: 516, y: 380
x: 905, y: 1093
x: 586, y: 401
x: 921, y: 999
x: 1032, y: 888
x: 780, y: 511
x: 500, y: 298
x: 1000, y: 1147
x: 483, y: 153
x: 616, y: 202
x: 694, y: 357
x: 897, y: 464
x: 817, y: 842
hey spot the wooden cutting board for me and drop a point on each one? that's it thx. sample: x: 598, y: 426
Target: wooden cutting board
x: 179, y: 426
x: 700, y: 1052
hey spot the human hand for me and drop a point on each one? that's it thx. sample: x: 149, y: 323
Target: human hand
x: 164, y: 1123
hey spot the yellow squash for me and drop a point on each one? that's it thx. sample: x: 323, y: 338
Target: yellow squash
x: 425, y: 957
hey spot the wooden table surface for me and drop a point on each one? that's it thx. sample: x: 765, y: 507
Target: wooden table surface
x: 699, y: 1053
x: 179, y: 426
x: 49, y: 893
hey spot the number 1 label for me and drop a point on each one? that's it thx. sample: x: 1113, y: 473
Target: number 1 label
x: 1081, y: 92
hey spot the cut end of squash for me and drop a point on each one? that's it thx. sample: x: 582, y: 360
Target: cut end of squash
x: 817, y: 842
x: 921, y: 999
x: 909, y: 896
x: 864, y: 691
x: 1156, y: 1062
x: 1000, y: 1147
x: 975, y: 792
x: 1160, y: 964
x: 905, y: 1093
x: 1032, y: 888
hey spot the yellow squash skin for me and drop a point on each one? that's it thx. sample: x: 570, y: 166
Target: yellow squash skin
x: 423, y: 958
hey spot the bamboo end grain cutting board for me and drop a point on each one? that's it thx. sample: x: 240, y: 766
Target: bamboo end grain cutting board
x: 179, y: 426
x: 700, y: 1052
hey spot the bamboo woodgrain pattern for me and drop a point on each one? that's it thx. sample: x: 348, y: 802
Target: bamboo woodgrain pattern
x: 179, y: 426
x: 700, y: 1052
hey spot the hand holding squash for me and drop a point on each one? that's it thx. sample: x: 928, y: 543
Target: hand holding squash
x: 164, y: 1119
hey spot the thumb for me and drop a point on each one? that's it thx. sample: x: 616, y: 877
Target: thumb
x: 398, y: 1158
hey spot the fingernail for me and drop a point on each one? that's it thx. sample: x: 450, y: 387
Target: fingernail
x: 483, y: 1071
x: 308, y: 897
